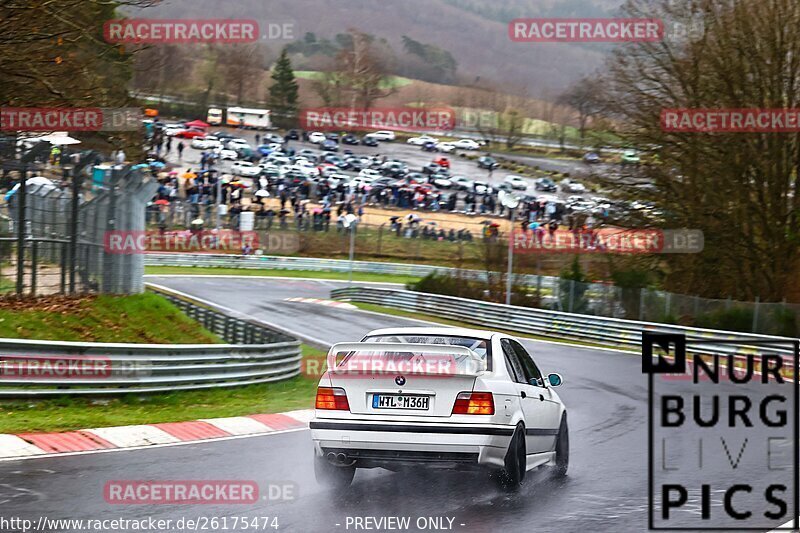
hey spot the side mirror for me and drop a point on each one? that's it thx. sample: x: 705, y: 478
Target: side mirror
x: 555, y: 380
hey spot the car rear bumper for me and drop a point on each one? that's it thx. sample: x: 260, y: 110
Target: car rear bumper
x: 381, y: 443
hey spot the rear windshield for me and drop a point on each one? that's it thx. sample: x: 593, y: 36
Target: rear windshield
x: 481, y: 347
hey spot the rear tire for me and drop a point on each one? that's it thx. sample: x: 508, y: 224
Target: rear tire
x: 510, y: 478
x: 330, y: 476
x: 562, y: 449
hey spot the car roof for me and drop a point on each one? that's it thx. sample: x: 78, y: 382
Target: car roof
x: 440, y: 331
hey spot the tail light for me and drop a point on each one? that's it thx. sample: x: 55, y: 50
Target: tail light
x: 333, y: 398
x: 474, y: 403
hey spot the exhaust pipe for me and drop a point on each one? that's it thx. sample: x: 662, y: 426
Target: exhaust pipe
x: 342, y: 458
x: 331, y: 457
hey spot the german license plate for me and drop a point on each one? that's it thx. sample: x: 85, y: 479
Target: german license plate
x: 400, y: 401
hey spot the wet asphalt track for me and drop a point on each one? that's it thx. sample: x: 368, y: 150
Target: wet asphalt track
x: 606, y: 489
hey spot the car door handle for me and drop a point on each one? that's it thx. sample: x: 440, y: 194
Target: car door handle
x: 523, y: 394
x: 541, y: 397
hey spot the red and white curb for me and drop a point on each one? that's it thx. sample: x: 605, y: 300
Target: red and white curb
x: 318, y: 301
x: 87, y: 440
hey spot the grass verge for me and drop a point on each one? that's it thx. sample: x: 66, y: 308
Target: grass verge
x: 222, y: 271
x: 139, y: 318
x: 70, y: 413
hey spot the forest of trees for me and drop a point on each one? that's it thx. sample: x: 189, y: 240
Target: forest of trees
x: 740, y: 189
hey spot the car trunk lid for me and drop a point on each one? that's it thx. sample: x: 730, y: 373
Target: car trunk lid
x: 403, y: 379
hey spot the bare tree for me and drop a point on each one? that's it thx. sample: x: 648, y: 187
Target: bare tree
x: 739, y: 188
x: 585, y: 97
x: 363, y: 71
x: 240, y: 75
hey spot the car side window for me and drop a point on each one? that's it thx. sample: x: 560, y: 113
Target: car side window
x: 531, y: 370
x: 512, y: 362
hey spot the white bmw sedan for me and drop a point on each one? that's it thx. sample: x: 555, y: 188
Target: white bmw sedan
x: 437, y: 398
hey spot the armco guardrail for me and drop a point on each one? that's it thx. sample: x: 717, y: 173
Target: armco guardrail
x: 317, y: 265
x: 596, y: 329
x: 256, y: 354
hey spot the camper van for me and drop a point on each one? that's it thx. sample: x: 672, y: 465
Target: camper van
x: 249, y: 118
x: 214, y: 116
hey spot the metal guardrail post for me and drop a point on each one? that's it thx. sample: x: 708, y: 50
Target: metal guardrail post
x: 34, y: 265
x: 21, y: 198
x: 63, y: 274
x: 73, y: 228
x: 754, y: 329
x: 641, y: 304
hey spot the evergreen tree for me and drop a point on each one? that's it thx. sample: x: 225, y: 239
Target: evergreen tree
x: 283, y: 94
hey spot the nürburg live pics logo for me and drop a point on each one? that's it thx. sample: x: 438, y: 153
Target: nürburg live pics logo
x: 722, y: 433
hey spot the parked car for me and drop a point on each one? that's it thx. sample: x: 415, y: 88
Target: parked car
x: 394, y: 168
x: 445, y: 147
x: 629, y: 157
x: 442, y: 162
x: 335, y: 179
x: 368, y: 140
x: 545, y: 185
x: 429, y: 147
x: 172, y: 130
x: 235, y: 144
x: 422, y: 139
x: 480, y: 187
x: 311, y: 155
x: 369, y: 173
x: 592, y: 158
x: 489, y: 163
x: 360, y: 180
x: 349, y: 139
x: 516, y: 182
x: 383, y: 135
x: 568, y: 185
x: 413, y: 178
x: 582, y: 206
x: 466, y: 144
x: 442, y: 181
x: 272, y: 138
x: 462, y: 183
x: 264, y: 149
x: 228, y: 155
x: 245, y: 168
x: 205, y: 143
x: 293, y: 135
x: 316, y: 137
x: 329, y: 145
x: 336, y: 160
x: 431, y: 168
x: 191, y: 133
x: 356, y: 162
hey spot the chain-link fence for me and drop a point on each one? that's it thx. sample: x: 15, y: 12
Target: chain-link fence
x: 53, y: 234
